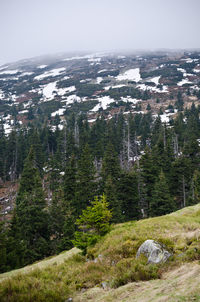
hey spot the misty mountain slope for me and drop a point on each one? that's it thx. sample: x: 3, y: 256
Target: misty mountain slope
x: 117, y: 268
x: 40, y: 89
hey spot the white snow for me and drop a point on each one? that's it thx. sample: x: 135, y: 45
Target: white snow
x: 94, y: 60
x: 51, y: 73
x: 63, y: 91
x: 103, y: 103
x: 27, y: 104
x: 7, y: 128
x: 153, y: 89
x: 58, y: 112
x: 99, y: 80
x: 2, y: 95
x: 184, y: 81
x: 196, y: 70
x: 23, y: 111
x: 42, y: 66
x: 116, y: 86
x: 48, y: 90
x: 26, y: 74
x: 92, y: 120
x: 9, y: 71
x: 129, y: 99
x: 3, y: 67
x: 155, y: 80
x: 89, y: 56
x: 107, y: 87
x: 131, y: 74
x: 182, y: 70
x: 60, y: 127
x: 72, y: 99
x: 102, y: 70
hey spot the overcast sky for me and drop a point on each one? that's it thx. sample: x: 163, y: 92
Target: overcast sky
x: 35, y: 27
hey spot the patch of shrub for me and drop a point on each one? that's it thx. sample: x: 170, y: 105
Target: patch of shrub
x: 130, y: 270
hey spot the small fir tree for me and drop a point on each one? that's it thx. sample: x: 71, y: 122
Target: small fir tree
x: 93, y: 223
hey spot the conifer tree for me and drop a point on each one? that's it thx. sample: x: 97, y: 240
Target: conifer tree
x: 31, y: 218
x: 128, y: 195
x: 93, y: 223
x: 3, y: 250
x: 86, y: 186
x: 148, y: 173
x: 110, y: 165
x: 114, y: 203
x: 194, y: 196
x: 161, y: 203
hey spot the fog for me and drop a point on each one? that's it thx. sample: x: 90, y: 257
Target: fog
x: 30, y: 28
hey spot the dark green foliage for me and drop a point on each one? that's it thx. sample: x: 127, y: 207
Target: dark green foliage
x: 85, y: 181
x: 128, y: 196
x: 3, y: 249
x: 30, y: 226
x: 122, y: 157
x: 161, y: 203
x: 110, y: 190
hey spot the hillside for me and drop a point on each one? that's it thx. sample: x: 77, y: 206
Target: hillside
x: 48, y: 89
x: 115, y: 267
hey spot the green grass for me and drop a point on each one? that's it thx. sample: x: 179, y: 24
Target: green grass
x: 69, y: 274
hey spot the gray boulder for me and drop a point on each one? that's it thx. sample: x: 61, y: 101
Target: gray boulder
x: 154, y: 251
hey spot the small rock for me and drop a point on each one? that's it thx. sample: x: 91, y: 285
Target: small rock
x: 104, y: 285
x: 154, y: 251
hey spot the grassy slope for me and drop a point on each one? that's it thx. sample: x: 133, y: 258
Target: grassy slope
x: 178, y: 280
x: 55, y: 260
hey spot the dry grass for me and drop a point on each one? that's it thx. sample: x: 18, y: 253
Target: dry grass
x: 55, y: 260
x: 180, y: 284
x: 63, y: 276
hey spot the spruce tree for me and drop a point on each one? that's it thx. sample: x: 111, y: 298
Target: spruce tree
x: 86, y: 185
x: 161, y: 203
x: 128, y: 195
x: 114, y: 203
x: 3, y: 250
x: 110, y: 165
x: 31, y: 218
x: 194, y: 196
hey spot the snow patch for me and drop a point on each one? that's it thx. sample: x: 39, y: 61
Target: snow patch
x: 155, y: 80
x: 2, y: 95
x: 51, y: 73
x: 103, y: 103
x: 130, y: 100
x: 42, y: 66
x: 181, y: 70
x: 153, y: 89
x: 72, y: 99
x: 99, y: 80
x: 102, y: 70
x: 131, y: 74
x: 58, y: 112
x: 48, y: 91
x: 184, y: 81
x: 9, y: 71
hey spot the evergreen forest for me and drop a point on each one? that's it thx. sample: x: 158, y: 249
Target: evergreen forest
x: 137, y: 166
